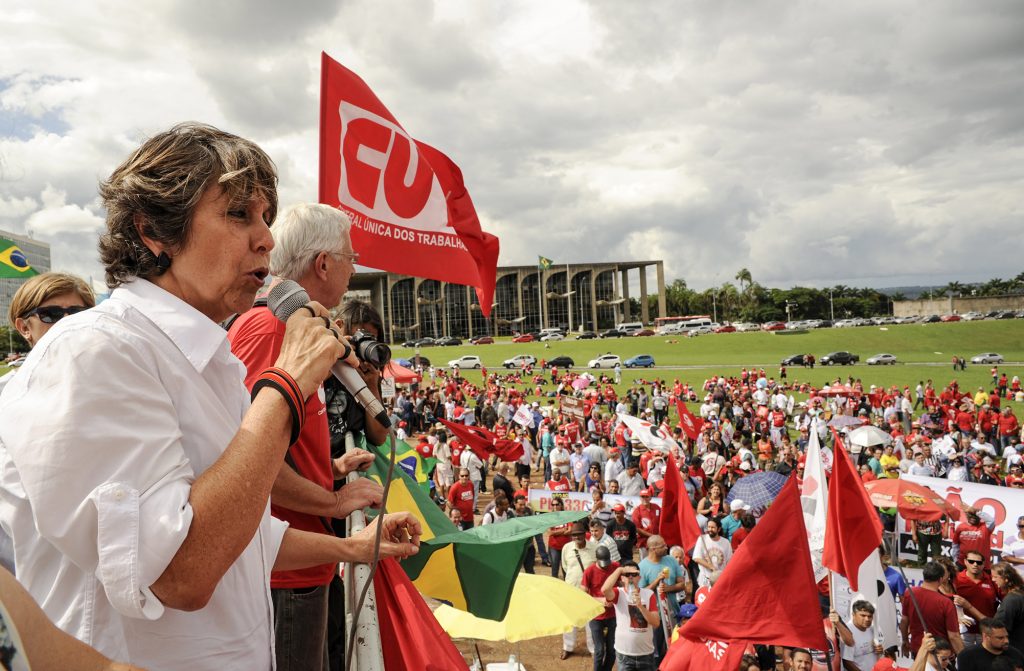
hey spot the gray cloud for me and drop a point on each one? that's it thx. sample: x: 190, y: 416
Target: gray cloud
x: 865, y: 143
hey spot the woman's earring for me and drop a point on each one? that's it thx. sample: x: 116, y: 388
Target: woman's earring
x: 163, y: 262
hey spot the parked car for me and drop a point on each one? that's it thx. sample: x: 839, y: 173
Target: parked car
x: 640, y: 361
x: 450, y: 341
x: 411, y: 363
x: 560, y: 361
x: 950, y: 318
x: 519, y: 360
x: 523, y: 337
x: 930, y: 319
x: 773, y: 326
x: 643, y: 333
x: 586, y: 335
x: 726, y: 328
x: 840, y: 357
x: 613, y: 333
x: 882, y: 360
x: 420, y: 342
x: 552, y: 337
x: 605, y: 361
x: 989, y: 357
x: 481, y: 340
x: 1006, y: 314
x: 972, y: 316
x: 794, y: 360
x: 466, y: 361
x: 746, y: 327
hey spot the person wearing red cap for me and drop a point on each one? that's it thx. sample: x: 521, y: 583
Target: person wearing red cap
x: 647, y: 518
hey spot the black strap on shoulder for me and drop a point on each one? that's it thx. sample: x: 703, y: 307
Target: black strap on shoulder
x: 260, y: 303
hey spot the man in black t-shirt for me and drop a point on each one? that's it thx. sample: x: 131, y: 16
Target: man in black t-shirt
x: 995, y: 644
x: 623, y: 531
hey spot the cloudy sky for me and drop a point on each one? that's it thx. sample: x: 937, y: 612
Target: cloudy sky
x: 871, y: 143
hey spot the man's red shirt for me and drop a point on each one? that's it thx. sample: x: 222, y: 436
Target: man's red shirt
x: 981, y: 594
x: 593, y: 579
x: 647, y: 518
x: 976, y: 537
x: 460, y: 495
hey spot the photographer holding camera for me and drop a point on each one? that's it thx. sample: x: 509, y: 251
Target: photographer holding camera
x: 311, y: 247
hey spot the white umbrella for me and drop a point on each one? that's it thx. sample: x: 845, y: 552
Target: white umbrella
x: 867, y: 436
x: 843, y: 421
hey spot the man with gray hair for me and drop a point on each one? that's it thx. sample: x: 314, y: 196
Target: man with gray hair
x: 311, y: 247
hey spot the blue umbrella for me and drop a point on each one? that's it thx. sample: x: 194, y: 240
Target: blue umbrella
x: 757, y: 490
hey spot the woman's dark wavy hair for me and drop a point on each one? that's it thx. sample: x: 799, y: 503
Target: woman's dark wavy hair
x: 159, y: 186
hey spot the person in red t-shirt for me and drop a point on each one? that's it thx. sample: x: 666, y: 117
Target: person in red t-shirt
x: 975, y: 593
x: 973, y: 534
x: 937, y: 609
x: 602, y: 627
x: 1008, y: 427
x: 647, y: 518
x: 460, y: 495
x: 561, y: 484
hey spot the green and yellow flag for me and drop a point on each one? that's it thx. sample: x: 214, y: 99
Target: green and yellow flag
x: 544, y: 263
x: 472, y: 570
x: 13, y: 262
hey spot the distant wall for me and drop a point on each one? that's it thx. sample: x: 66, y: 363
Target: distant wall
x: 945, y: 306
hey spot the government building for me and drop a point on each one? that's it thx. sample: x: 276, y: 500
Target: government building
x: 576, y: 296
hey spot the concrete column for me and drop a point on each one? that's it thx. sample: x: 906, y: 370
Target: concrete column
x: 593, y: 296
x: 416, y: 282
x: 627, y: 314
x: 391, y: 309
x: 662, y: 308
x: 469, y: 309
x: 644, y: 310
x: 519, y: 294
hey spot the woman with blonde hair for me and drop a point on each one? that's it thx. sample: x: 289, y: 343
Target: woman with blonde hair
x: 44, y: 300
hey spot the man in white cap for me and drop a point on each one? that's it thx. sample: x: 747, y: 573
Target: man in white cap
x: 731, y: 522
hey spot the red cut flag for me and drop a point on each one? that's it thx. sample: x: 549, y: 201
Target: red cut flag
x: 410, y: 635
x: 766, y: 593
x: 484, y: 442
x: 410, y: 210
x: 678, y: 520
x: 703, y: 655
x: 688, y: 422
x: 852, y: 528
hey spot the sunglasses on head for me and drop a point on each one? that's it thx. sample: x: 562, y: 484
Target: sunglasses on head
x: 51, y: 314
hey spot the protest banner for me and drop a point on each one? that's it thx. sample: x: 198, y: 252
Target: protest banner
x: 1004, y: 504
x: 540, y: 500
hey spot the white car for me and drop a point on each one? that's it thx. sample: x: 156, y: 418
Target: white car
x: 972, y: 316
x: 605, y: 361
x: 467, y: 361
x: 990, y: 357
x: 882, y: 360
x: 746, y: 327
x: 552, y: 337
x: 519, y: 360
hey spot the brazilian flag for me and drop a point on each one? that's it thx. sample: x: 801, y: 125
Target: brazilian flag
x: 13, y: 262
x: 415, y: 465
x: 472, y: 570
x: 544, y: 263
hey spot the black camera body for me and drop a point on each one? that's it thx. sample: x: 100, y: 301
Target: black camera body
x: 369, y: 349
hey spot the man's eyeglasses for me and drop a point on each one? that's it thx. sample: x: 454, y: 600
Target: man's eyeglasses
x: 975, y: 562
x: 351, y: 256
x: 51, y: 314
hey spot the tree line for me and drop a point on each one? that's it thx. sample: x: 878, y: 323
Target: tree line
x: 748, y: 301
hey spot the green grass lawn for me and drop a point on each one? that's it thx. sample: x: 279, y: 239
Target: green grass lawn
x: 924, y: 350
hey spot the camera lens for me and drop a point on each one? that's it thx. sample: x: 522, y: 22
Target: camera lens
x: 370, y: 350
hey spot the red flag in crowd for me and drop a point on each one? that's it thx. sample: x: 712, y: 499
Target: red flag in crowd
x: 485, y: 442
x: 410, y: 635
x: 852, y: 528
x: 703, y: 655
x: 690, y: 424
x: 767, y: 593
x: 410, y: 210
x: 678, y: 521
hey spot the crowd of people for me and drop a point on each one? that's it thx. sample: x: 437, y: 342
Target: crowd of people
x: 751, y: 423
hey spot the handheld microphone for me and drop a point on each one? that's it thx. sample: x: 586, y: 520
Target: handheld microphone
x: 288, y: 296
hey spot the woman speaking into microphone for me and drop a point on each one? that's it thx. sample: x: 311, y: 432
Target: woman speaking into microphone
x: 135, y: 471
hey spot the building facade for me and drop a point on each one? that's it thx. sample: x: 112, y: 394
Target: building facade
x: 580, y: 296
x: 38, y: 255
